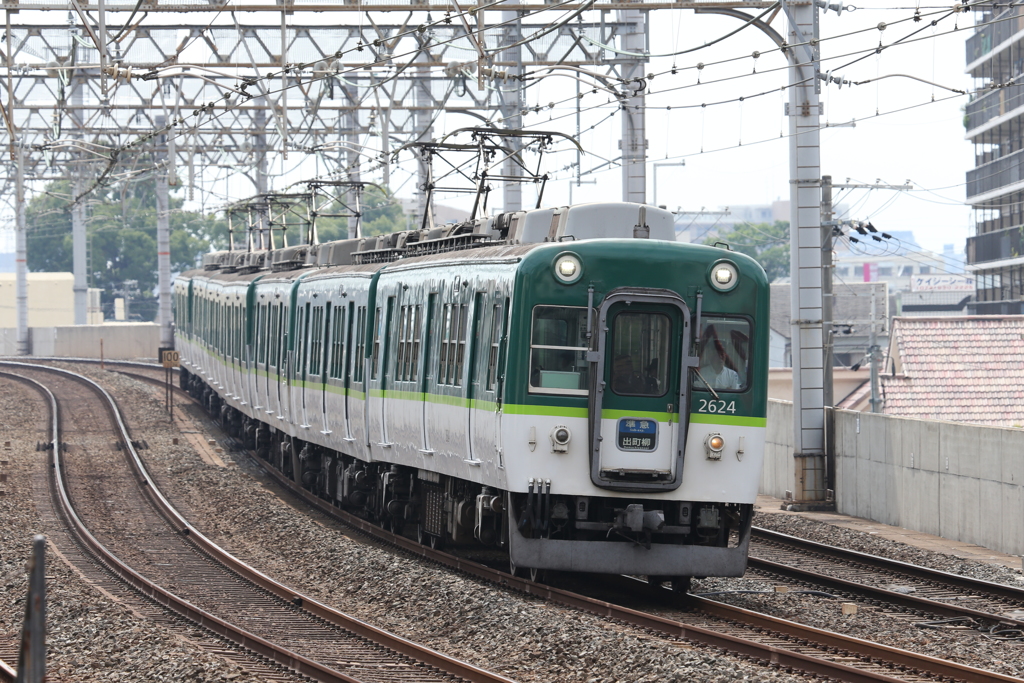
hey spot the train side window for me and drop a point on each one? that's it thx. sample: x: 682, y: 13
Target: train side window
x: 558, y: 351
x: 492, y: 359
x: 446, y: 333
x: 401, y: 369
x: 338, y: 344
x: 360, y: 351
x: 460, y: 344
x: 378, y: 332
x: 316, y: 341
x: 302, y: 332
x: 413, y: 356
x: 724, y: 354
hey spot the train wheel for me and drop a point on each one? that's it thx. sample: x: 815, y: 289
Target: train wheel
x: 423, y: 538
x: 654, y: 582
x: 531, y: 573
x: 681, y: 584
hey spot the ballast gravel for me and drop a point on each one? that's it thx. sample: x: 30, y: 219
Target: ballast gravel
x: 518, y: 636
x: 90, y: 637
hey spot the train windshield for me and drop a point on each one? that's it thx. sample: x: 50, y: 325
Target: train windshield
x: 558, y: 351
x: 724, y: 354
x: 640, y: 349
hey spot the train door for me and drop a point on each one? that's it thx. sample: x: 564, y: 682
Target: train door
x: 637, y: 438
x: 426, y: 375
x: 473, y: 388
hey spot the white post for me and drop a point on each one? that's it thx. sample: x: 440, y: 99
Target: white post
x: 163, y: 259
x: 806, y: 255
x: 21, y: 256
x: 79, y: 253
x: 634, y: 127
x: 422, y: 116
x: 512, y: 109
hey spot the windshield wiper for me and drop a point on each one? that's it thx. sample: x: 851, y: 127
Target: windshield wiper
x: 707, y: 384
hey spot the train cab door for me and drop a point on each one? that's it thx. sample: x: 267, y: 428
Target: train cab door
x: 384, y: 332
x: 637, y: 438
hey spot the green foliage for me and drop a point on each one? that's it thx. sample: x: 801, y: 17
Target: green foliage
x: 382, y: 213
x: 121, y: 237
x: 766, y: 242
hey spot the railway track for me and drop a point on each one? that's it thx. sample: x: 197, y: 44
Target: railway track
x: 110, y: 500
x: 784, y: 643
x: 925, y: 594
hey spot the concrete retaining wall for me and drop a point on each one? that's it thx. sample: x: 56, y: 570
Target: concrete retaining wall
x: 963, y: 482
x: 121, y: 341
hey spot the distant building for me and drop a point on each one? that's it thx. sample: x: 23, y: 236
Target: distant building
x: 907, y: 268
x: 851, y: 322
x: 995, y: 187
x: 697, y: 226
x: 963, y: 369
x: 51, y: 300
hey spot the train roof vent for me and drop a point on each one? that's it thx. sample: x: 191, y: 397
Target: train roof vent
x: 288, y: 258
x: 337, y: 253
x: 215, y: 260
x: 386, y: 248
x: 234, y: 261
x: 253, y: 261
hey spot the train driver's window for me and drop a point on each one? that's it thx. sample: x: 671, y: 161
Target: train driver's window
x: 640, y: 347
x: 724, y: 354
x: 558, y: 351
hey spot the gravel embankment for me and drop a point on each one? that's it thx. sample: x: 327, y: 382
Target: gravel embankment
x: 90, y: 637
x: 519, y: 636
x: 515, y: 635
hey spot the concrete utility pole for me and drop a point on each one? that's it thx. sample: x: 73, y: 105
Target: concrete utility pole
x: 634, y: 128
x: 79, y: 251
x: 21, y: 256
x: 807, y: 314
x: 512, y: 109
x: 874, y: 354
x: 424, y: 132
x: 163, y: 247
x: 826, y: 285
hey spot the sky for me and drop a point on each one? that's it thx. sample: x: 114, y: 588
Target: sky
x: 891, y: 131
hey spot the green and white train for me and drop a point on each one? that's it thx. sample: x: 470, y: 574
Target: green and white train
x: 570, y: 385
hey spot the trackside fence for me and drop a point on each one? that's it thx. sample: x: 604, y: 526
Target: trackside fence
x: 959, y: 481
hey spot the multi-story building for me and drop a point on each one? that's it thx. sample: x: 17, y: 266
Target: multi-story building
x: 995, y: 187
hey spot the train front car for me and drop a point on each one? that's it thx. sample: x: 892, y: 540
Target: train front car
x: 635, y: 405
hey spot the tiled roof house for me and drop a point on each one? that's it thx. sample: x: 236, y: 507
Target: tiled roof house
x: 963, y: 369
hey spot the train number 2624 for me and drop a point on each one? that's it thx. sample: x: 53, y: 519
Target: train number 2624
x: 707, y: 406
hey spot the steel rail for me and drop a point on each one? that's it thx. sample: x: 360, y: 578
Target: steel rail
x: 904, y: 600
x: 223, y: 628
x: 730, y: 643
x: 773, y: 654
x: 7, y: 674
x: 896, y: 566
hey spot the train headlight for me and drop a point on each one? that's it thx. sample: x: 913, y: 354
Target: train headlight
x: 568, y: 268
x: 560, y: 438
x: 713, y: 445
x: 724, y: 276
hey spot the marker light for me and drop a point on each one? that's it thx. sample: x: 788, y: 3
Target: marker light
x: 724, y: 276
x: 568, y: 268
x: 713, y: 445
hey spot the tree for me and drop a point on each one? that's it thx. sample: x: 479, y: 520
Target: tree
x: 768, y: 243
x: 121, y: 237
